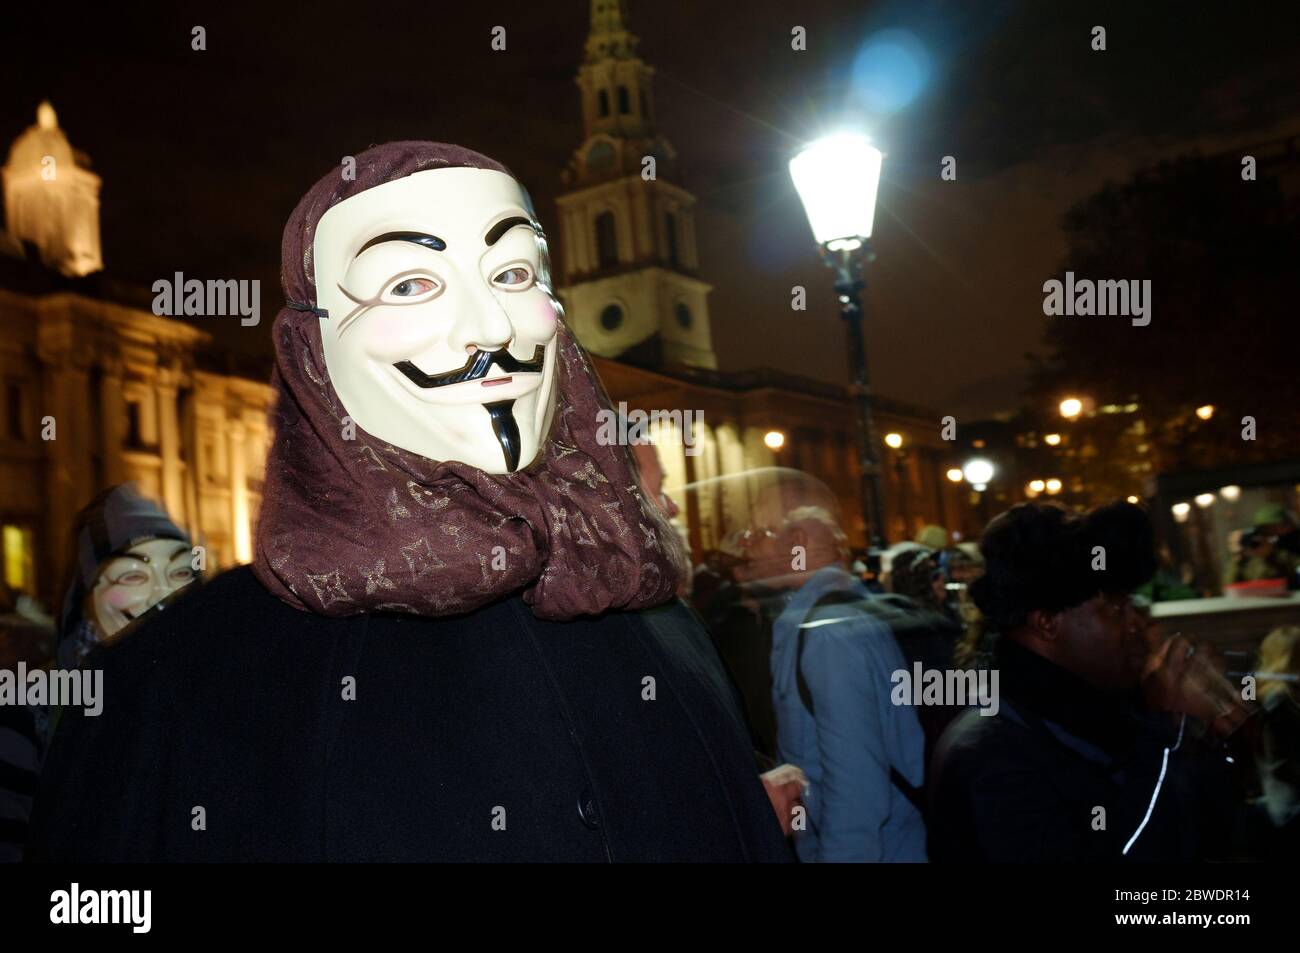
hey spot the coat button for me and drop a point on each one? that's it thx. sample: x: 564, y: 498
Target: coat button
x: 587, y: 810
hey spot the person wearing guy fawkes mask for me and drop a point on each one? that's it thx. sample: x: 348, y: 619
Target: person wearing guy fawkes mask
x: 128, y: 556
x: 1104, y: 746
x: 458, y: 640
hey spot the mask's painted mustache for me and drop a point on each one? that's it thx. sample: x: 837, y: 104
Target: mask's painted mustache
x: 477, y: 367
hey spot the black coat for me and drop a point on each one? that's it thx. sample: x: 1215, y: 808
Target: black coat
x: 233, y: 702
x: 1024, y: 785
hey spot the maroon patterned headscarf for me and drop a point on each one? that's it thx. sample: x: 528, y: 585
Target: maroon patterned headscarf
x: 360, y: 525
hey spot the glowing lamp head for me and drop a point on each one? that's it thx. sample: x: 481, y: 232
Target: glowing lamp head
x: 774, y: 439
x: 977, y: 472
x: 894, y: 440
x: 1071, y: 408
x: 837, y: 179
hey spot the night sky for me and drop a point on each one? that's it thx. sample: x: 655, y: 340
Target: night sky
x: 204, y: 154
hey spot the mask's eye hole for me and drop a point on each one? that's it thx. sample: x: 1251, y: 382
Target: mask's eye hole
x: 181, y: 574
x: 514, y: 278
x: 132, y: 577
x: 409, y: 289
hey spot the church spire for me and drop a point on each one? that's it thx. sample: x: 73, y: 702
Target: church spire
x: 629, y: 282
x: 609, y: 37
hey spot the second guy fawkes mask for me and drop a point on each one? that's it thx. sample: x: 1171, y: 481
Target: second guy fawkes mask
x: 441, y: 321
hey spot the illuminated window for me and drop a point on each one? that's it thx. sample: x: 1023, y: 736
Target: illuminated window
x: 19, y: 559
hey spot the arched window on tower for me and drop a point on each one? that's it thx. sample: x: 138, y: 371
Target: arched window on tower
x: 604, y: 102
x: 606, y: 241
x: 670, y: 229
x: 624, y: 104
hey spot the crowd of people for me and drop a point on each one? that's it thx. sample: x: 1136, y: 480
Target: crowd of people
x: 1111, y: 739
x: 465, y: 632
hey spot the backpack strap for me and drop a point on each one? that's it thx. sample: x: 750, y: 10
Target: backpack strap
x: 912, y: 793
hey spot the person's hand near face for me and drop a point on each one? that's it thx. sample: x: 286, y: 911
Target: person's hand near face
x: 1181, y: 677
x: 133, y: 582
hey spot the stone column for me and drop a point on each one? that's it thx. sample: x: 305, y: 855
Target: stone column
x: 240, y: 529
x: 112, y: 417
x: 166, y: 385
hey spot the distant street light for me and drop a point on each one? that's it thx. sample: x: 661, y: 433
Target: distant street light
x: 774, y: 439
x: 1231, y: 493
x: 1037, y: 486
x: 837, y: 179
x: 955, y: 475
x: 1071, y: 408
x: 1053, y: 486
x: 1204, y: 500
x: 894, y: 440
x: 1052, y: 439
x: 1181, y: 511
x: 1133, y: 499
x: 1205, y: 411
x: 978, y: 472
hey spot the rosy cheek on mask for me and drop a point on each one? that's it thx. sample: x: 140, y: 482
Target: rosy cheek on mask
x: 394, y: 337
x: 535, y: 319
x: 119, y: 598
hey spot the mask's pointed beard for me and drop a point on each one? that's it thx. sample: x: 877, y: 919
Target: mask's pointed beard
x: 507, y: 431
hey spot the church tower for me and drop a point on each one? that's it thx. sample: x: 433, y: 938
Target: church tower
x: 630, y: 284
x: 52, y: 198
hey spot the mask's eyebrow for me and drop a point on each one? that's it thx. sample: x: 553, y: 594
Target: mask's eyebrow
x: 500, y: 228
x: 418, y: 238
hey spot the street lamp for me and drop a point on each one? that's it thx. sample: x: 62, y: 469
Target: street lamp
x: 837, y: 178
x: 894, y: 440
x: 1071, y: 408
x: 774, y: 439
x: 978, y: 472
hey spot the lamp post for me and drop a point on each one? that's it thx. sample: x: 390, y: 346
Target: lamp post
x: 837, y: 179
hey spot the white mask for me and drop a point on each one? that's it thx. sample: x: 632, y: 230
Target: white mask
x: 437, y: 341
x: 130, y: 584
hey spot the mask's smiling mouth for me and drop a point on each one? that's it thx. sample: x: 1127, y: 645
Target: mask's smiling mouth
x: 476, y: 368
